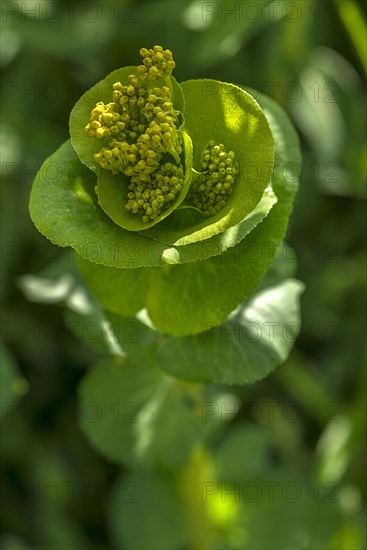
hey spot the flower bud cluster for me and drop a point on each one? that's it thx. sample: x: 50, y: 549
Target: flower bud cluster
x: 214, y: 185
x: 157, y: 63
x: 149, y: 196
x: 139, y: 129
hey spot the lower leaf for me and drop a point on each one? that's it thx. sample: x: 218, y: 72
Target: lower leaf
x: 124, y: 412
x: 256, y: 338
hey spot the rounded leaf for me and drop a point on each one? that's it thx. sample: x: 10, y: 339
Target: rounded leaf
x: 182, y: 299
x: 255, y: 339
x: 226, y: 114
x: 124, y: 410
x: 63, y: 206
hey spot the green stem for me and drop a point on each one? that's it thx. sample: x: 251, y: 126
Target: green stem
x: 192, y: 479
x: 175, y: 155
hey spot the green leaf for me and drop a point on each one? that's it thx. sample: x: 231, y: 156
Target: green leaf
x: 54, y: 284
x: 218, y: 243
x: 126, y: 291
x: 111, y: 397
x: 60, y: 283
x: 187, y: 296
x: 170, y: 439
x: 135, y: 338
x: 113, y: 190
x: 149, y: 500
x: 283, y: 267
x: 124, y: 413
x: 121, y: 291
x: 256, y: 338
x: 213, y: 110
x: 226, y: 114
x: 64, y: 207
x: 85, y: 146
x: 112, y: 335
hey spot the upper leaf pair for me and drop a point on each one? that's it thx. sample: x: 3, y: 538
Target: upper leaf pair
x: 229, y: 202
x: 114, y: 130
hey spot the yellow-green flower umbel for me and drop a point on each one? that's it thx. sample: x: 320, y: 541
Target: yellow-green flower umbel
x: 142, y: 140
x: 139, y: 126
x: 215, y: 182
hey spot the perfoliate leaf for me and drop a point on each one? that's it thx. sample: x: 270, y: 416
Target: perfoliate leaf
x: 218, y: 243
x: 226, y: 114
x: 64, y: 207
x: 120, y: 291
x: 179, y: 298
x: 256, y: 338
x: 126, y: 291
x: 187, y: 296
x: 190, y: 295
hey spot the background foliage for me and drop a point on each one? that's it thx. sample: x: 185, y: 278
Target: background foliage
x: 304, y: 424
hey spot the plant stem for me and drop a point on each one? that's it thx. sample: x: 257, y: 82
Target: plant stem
x: 175, y: 156
x: 192, y: 478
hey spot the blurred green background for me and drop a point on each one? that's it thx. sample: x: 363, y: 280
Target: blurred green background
x: 310, y: 56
